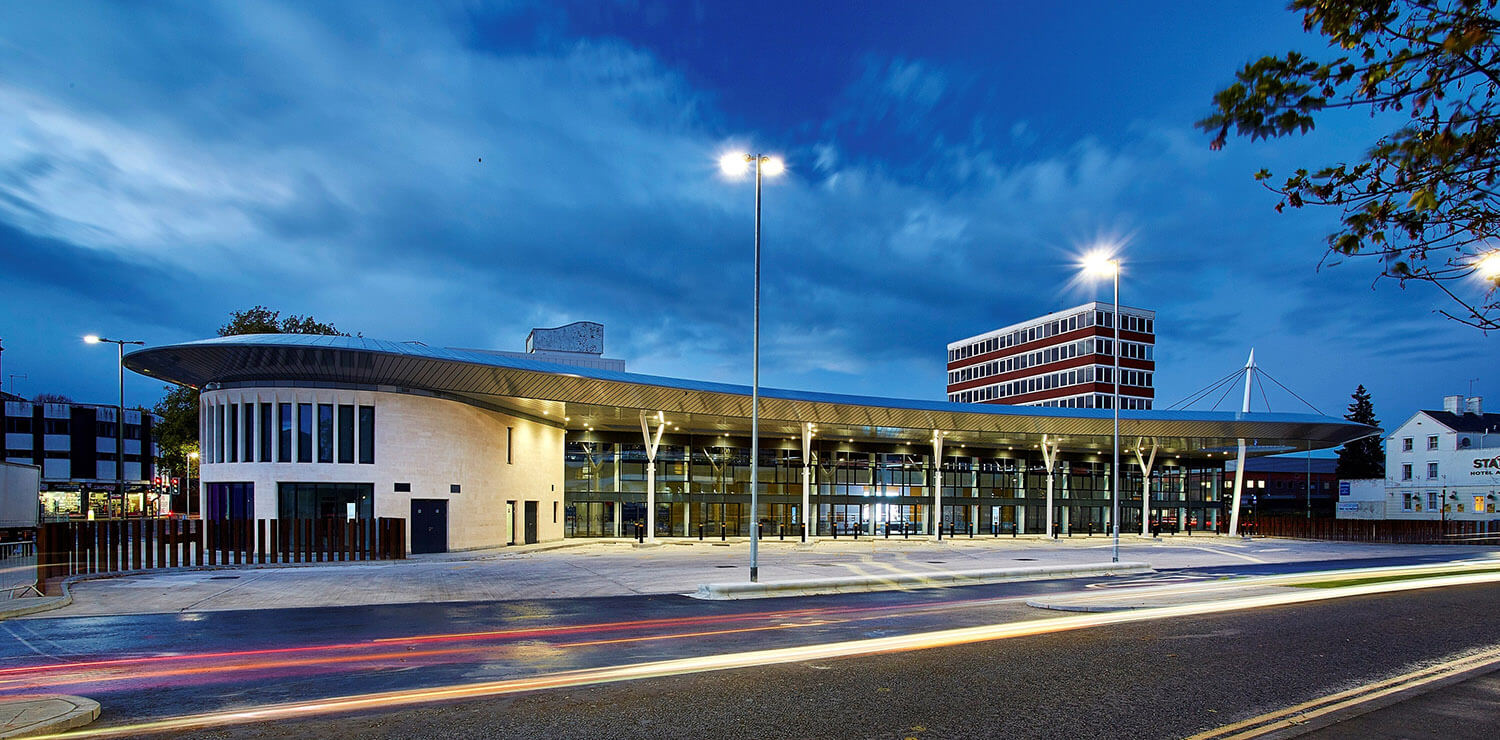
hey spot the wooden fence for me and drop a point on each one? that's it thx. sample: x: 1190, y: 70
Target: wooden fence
x: 1370, y: 530
x: 112, y: 545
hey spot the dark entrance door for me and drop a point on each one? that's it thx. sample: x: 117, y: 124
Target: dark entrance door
x: 429, y: 525
x: 530, y: 522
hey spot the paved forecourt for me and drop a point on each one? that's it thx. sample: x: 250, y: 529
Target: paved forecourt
x: 612, y: 568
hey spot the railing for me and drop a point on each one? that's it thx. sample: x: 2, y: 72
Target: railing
x: 113, y: 545
x: 1398, y: 531
x: 17, y: 568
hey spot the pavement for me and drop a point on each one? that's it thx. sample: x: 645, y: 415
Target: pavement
x: 45, y: 715
x: 591, y: 568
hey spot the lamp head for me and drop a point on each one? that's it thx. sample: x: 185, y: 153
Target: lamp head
x: 1100, y: 263
x: 772, y: 166
x: 91, y: 339
x: 1489, y: 265
x: 735, y: 163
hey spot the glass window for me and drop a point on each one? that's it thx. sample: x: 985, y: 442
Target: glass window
x: 304, y: 433
x: 229, y: 501
x: 1432, y: 470
x: 325, y: 432
x: 367, y: 435
x: 325, y: 500
x: 284, y: 450
x: 249, y: 451
x: 1406, y: 471
x: 232, y: 441
x: 1432, y: 442
x: 1406, y: 444
x: 346, y: 433
x: 265, y: 432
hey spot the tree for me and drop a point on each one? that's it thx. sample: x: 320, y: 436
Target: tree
x: 177, y: 435
x: 1423, y: 199
x: 51, y: 398
x: 262, y: 320
x: 1362, y: 458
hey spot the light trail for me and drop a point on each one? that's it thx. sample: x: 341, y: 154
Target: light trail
x: 682, y: 666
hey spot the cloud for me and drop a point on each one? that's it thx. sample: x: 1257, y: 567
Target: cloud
x: 388, y: 168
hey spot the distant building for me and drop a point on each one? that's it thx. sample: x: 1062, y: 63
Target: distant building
x: 580, y: 343
x: 1287, y: 485
x: 1444, y: 463
x: 1061, y: 359
x: 75, y: 446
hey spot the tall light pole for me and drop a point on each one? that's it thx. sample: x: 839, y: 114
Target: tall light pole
x: 736, y: 164
x: 1100, y: 264
x: 187, y: 483
x: 120, y: 418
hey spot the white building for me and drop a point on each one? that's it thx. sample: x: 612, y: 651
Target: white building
x: 1442, y: 465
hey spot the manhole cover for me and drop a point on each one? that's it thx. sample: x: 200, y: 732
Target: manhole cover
x: 222, y: 578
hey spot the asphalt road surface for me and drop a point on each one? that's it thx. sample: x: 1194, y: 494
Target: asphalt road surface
x: 1166, y: 678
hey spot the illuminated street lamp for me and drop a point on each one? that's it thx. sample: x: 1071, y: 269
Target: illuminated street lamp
x: 1102, y: 264
x: 120, y: 419
x: 1488, y: 266
x: 187, y: 482
x: 736, y: 164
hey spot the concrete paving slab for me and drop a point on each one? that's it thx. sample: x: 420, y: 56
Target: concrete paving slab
x: 615, y: 567
x: 908, y: 581
x: 45, y: 715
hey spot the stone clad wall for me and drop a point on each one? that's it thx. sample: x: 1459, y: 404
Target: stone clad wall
x: 431, y: 444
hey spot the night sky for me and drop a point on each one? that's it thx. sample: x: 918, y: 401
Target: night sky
x: 457, y: 173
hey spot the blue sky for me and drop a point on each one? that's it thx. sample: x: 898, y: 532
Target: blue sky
x: 458, y: 173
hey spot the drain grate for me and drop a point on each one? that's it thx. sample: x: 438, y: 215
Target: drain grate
x: 726, y: 566
x: 1025, y: 558
x: 222, y: 578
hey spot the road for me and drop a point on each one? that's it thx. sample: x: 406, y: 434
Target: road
x: 1154, y: 679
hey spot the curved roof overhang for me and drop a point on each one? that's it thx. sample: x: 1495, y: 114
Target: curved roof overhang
x: 601, y: 400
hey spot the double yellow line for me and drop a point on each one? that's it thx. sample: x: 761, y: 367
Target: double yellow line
x: 1323, y: 706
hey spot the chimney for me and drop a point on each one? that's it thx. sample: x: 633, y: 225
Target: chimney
x: 1473, y: 405
x: 1453, y: 404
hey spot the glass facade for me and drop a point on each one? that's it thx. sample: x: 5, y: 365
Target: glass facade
x: 993, y: 492
x: 325, y: 500
x: 229, y: 501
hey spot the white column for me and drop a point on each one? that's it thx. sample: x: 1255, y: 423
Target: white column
x: 1239, y: 467
x: 807, y: 518
x: 937, y: 485
x: 653, y: 442
x: 1049, y: 457
x: 1146, y: 465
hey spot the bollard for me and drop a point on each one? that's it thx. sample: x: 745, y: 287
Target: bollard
x: 1055, y: 527
x: 722, y: 532
x: 640, y: 532
x: 858, y: 526
x: 700, y: 532
x: 835, y: 527
x: 904, y: 532
x: 972, y: 527
x: 780, y: 532
x: 802, y: 530
x: 760, y: 530
x: 1091, y: 529
x: 1014, y: 530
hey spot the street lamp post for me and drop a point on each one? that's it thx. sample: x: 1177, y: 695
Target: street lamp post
x: 1100, y: 264
x: 187, y: 482
x: 120, y: 418
x: 736, y: 164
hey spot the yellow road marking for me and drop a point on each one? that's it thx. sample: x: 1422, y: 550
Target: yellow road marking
x: 1323, y: 705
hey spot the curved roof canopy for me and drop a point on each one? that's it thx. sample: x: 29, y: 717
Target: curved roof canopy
x: 589, y: 400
